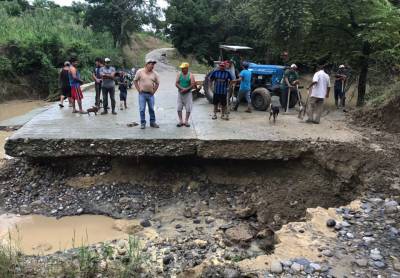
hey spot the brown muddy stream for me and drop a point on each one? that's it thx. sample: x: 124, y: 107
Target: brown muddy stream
x: 40, y: 235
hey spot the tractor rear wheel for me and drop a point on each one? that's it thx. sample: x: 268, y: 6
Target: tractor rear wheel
x: 261, y: 99
x: 208, y: 87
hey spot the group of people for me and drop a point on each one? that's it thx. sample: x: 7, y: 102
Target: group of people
x: 147, y: 82
x: 105, y: 78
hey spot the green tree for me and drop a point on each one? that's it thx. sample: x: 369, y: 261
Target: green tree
x: 120, y: 17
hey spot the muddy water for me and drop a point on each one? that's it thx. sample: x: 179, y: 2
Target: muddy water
x: 16, y: 108
x: 37, y: 234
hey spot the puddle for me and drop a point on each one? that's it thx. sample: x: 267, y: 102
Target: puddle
x: 37, y: 234
x: 16, y: 108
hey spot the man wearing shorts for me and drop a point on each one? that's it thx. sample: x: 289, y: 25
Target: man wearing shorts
x: 107, y: 74
x: 75, y: 82
x: 185, y: 83
x: 221, y: 79
x: 64, y: 84
x: 147, y: 82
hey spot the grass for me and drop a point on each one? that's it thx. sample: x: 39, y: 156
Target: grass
x: 175, y: 59
x: 141, y: 44
x: 379, y: 95
x: 10, y: 259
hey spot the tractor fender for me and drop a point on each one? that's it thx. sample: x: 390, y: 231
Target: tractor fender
x: 208, y: 87
x: 261, y: 99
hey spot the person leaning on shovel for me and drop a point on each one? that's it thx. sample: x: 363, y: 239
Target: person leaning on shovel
x: 185, y: 83
x: 288, y: 85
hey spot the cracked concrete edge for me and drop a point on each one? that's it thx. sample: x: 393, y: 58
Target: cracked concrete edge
x: 205, y: 149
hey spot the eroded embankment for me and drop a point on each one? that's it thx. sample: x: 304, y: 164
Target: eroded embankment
x: 202, y: 210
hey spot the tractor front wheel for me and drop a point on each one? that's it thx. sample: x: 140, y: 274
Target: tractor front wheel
x: 261, y: 99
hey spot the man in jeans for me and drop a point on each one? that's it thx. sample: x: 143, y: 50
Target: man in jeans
x: 97, y: 80
x: 107, y: 74
x: 320, y: 88
x: 147, y: 82
x: 245, y: 87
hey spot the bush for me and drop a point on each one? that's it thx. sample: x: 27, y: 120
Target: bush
x: 35, y: 42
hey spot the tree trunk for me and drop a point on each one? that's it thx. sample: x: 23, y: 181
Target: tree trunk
x: 362, y: 80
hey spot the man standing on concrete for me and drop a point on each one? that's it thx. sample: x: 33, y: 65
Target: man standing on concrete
x: 320, y: 88
x: 75, y: 82
x: 340, y: 84
x: 97, y: 80
x: 245, y: 87
x: 222, y: 79
x: 64, y: 84
x: 288, y: 84
x: 147, y: 82
x: 185, y: 83
x: 107, y: 74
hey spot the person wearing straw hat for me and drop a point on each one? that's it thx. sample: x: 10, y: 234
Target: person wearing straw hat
x: 185, y: 83
x: 340, y: 82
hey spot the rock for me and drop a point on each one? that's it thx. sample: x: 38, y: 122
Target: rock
x: 302, y: 261
x: 209, y: 220
x: 265, y: 233
x: 316, y: 267
x: 124, y: 200
x: 375, y: 254
x: 231, y: 273
x: 245, y: 212
x: 37, y: 204
x: 145, y: 223
x: 331, y: 223
x: 196, y: 221
x: 349, y: 235
x: 390, y: 207
x: 338, y: 226
x: 226, y: 226
x: 201, y: 243
x: 396, y: 263
x: 168, y: 259
x: 79, y: 211
x: 327, y: 253
x: 187, y: 212
x: 239, y: 233
x: 287, y: 263
x: 361, y: 262
x: 296, y: 267
x: 178, y: 226
x: 276, y: 267
x: 121, y: 251
x: 379, y: 264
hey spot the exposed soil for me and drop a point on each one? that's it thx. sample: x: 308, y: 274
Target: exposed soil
x: 385, y: 117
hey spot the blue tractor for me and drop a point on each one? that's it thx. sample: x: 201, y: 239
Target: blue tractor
x: 266, y: 80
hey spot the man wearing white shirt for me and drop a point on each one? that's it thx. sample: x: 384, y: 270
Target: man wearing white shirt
x: 320, y: 88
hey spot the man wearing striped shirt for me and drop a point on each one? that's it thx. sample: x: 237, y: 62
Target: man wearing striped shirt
x: 221, y: 79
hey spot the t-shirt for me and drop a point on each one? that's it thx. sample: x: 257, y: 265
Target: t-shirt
x: 107, y: 83
x: 96, y: 72
x: 291, y: 75
x: 147, y: 80
x: 319, y: 90
x: 64, y: 78
x: 245, y: 84
x: 339, y: 81
x: 221, y: 78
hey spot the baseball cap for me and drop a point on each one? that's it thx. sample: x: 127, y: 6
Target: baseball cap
x: 152, y: 61
x: 341, y: 66
x: 67, y: 63
x: 107, y: 60
x: 222, y: 64
x: 184, y: 65
x: 293, y: 66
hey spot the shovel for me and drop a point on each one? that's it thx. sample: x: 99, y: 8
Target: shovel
x: 303, y: 109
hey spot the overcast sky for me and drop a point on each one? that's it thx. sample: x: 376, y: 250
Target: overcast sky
x: 161, y: 3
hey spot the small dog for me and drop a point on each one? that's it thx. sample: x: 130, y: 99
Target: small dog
x: 274, y: 108
x: 94, y: 110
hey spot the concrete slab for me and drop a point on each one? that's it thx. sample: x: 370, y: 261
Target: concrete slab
x: 57, y: 132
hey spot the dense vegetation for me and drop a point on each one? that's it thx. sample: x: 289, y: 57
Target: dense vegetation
x: 362, y: 33
x: 36, y: 39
